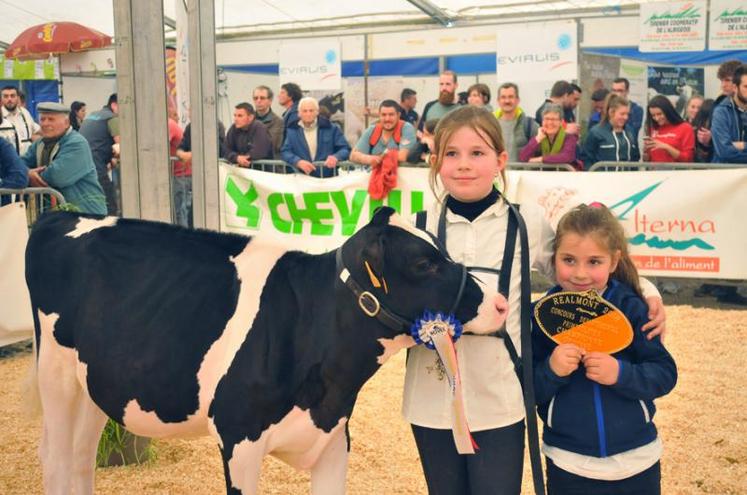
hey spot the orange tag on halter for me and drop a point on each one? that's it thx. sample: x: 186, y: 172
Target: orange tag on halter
x: 584, y: 319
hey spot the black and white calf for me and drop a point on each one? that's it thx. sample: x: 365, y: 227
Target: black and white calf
x: 175, y: 332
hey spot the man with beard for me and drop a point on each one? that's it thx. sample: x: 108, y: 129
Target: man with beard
x: 25, y: 129
x: 725, y: 75
x: 388, y: 133
x: 729, y: 123
x: 62, y: 160
x: 446, y: 102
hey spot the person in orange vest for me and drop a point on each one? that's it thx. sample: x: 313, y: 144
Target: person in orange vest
x: 390, y: 132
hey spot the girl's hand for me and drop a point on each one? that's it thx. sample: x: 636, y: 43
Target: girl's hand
x: 601, y: 368
x: 565, y: 359
x: 658, y: 318
x: 540, y: 135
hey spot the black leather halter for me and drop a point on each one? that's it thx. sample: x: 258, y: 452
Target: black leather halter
x: 371, y: 306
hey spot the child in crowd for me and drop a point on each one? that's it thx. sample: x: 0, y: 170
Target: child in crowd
x: 477, y: 226
x: 598, y: 409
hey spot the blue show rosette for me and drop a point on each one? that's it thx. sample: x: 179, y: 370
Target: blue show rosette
x: 430, y: 324
x: 439, y: 332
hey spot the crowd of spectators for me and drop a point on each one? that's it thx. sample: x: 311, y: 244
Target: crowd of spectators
x: 310, y: 143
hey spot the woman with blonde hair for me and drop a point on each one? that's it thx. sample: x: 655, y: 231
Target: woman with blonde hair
x: 611, y: 140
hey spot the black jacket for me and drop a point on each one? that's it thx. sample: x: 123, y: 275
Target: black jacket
x: 253, y: 140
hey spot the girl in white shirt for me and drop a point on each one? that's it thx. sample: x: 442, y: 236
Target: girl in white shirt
x: 473, y: 221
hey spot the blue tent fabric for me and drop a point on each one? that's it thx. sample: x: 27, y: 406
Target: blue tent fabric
x: 480, y: 63
x: 36, y: 92
x: 485, y: 63
x: 422, y: 66
x: 707, y: 57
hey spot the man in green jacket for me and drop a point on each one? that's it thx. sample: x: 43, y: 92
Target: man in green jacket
x: 62, y: 160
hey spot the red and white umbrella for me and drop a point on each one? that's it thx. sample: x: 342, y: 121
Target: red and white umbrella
x: 54, y: 38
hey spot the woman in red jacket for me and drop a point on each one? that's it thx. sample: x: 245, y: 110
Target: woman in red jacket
x: 669, y: 138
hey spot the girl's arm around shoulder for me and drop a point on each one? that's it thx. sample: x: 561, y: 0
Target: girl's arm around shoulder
x: 541, y: 237
x: 647, y: 370
x: 657, y: 324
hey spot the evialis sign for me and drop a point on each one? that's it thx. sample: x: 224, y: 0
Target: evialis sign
x: 311, y: 64
x: 537, y: 52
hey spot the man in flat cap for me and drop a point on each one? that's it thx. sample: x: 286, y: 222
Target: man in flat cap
x: 62, y: 160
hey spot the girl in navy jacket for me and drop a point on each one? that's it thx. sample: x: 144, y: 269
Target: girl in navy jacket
x: 597, y: 408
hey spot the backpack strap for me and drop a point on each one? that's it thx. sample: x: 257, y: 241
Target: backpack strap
x: 527, y: 128
x: 379, y: 130
x: 375, y: 135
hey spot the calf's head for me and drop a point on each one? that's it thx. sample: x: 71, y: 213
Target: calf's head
x: 405, y: 274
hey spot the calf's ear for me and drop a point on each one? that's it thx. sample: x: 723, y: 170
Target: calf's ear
x: 381, y: 215
x: 373, y: 256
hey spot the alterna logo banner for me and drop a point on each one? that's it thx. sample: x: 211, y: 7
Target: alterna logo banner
x: 311, y: 64
x: 537, y: 51
x: 672, y: 26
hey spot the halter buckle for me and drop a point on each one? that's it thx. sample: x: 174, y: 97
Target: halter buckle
x: 369, y: 304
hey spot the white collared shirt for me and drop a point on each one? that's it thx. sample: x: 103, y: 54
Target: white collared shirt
x: 24, y: 124
x: 491, y: 390
x: 310, y: 135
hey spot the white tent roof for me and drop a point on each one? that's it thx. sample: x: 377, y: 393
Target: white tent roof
x: 232, y: 16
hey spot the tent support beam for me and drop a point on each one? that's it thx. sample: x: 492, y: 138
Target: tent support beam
x: 204, y: 119
x: 144, y: 143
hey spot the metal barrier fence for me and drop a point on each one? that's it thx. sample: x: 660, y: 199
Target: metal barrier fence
x: 281, y: 167
x: 640, y: 166
x: 37, y: 199
x: 551, y: 167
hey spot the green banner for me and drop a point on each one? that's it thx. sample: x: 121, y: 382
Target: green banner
x: 48, y: 69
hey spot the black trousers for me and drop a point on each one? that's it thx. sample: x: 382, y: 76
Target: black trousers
x: 110, y: 192
x: 495, y: 469
x: 560, y: 482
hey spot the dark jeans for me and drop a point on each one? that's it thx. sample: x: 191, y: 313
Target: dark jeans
x: 109, y: 192
x: 561, y: 482
x: 495, y: 469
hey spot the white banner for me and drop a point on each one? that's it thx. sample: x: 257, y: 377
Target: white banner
x: 728, y: 25
x: 16, y: 322
x: 680, y: 223
x: 672, y: 26
x: 537, y: 52
x: 311, y: 64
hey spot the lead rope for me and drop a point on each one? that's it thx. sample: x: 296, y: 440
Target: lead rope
x: 523, y: 366
x: 526, y: 358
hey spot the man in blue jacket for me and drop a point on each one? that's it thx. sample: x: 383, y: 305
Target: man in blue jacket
x: 62, y: 160
x: 314, y: 139
x: 13, y: 173
x: 729, y: 123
